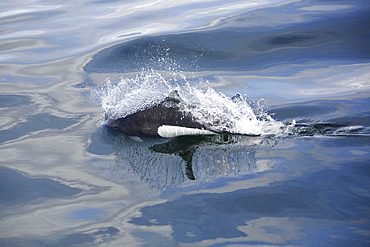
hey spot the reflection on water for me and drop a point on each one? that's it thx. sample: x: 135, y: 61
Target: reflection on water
x: 240, y: 213
x: 164, y: 163
x: 226, y: 213
x: 28, y: 189
x: 13, y: 100
x: 330, y: 118
x: 318, y: 56
x: 318, y: 197
x: 97, y: 236
x: 65, y: 181
x: 35, y: 123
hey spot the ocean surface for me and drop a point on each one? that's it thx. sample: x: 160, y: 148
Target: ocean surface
x: 299, y: 175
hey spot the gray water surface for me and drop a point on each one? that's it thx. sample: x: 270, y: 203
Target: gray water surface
x: 65, y: 180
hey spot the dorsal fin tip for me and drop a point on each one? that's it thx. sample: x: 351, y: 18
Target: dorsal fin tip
x: 174, y: 94
x: 173, y: 97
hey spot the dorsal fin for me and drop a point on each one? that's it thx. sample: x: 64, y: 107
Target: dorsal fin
x: 174, y: 94
x: 173, y: 97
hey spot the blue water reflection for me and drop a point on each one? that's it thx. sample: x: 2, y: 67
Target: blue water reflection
x: 18, y: 189
x: 187, y: 161
x: 201, y: 216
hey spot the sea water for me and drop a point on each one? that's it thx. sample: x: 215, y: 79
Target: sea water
x: 300, y: 73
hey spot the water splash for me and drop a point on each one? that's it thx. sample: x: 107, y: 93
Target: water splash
x: 130, y: 95
x: 210, y: 108
x: 232, y: 115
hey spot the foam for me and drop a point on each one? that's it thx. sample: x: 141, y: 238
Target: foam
x: 213, y: 109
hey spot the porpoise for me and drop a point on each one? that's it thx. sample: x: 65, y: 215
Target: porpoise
x: 165, y: 119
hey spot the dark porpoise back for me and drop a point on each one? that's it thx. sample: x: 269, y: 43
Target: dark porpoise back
x: 146, y: 123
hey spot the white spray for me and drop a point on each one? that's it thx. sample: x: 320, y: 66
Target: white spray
x: 212, y: 109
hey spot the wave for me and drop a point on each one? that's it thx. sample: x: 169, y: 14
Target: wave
x: 220, y: 113
x: 329, y: 129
